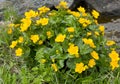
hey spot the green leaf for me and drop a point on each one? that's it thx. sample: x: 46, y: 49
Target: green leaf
x: 86, y: 80
x: 39, y: 54
x: 27, y: 51
x: 61, y: 63
x: 85, y: 49
x: 65, y: 45
x: 72, y: 62
x: 93, y: 27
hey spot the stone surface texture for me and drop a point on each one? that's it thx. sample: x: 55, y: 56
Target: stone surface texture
x: 107, y: 7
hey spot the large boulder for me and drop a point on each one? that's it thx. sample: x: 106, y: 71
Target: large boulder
x: 106, y: 7
x: 24, y: 5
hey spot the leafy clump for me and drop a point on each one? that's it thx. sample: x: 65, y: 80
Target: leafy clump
x: 63, y: 41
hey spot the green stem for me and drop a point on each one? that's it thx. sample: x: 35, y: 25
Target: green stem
x: 56, y: 79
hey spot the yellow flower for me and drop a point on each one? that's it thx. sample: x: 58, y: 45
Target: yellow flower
x: 71, y: 36
x: 70, y: 29
x: 26, y: 22
x: 62, y: 4
x: 80, y: 67
x: 42, y: 61
x: 95, y: 14
x: 14, y: 43
x: 18, y: 52
x: 102, y: 29
x: 96, y: 22
x: 81, y: 9
x: 77, y: 55
x: 52, y: 14
x: 110, y: 43
x: 73, y: 50
x: 86, y: 67
x: 57, y: 52
x: 87, y: 22
x: 20, y: 40
x: 31, y: 14
x: 17, y: 25
x: 9, y: 31
x: 114, y: 56
x: 84, y: 25
x: 84, y: 14
x: 43, y: 9
x: 34, y: 38
x: 114, y: 64
x: 11, y: 25
x: 94, y: 54
x: 91, y: 63
x: 89, y: 42
x: 97, y: 33
x: 60, y: 38
x: 76, y: 14
x: 114, y: 59
x: 89, y: 33
x: 54, y: 66
x: 40, y: 42
x: 42, y: 21
x: 49, y: 34
x: 82, y: 20
x: 53, y: 60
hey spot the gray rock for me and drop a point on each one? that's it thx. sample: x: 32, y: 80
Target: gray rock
x: 24, y: 5
x: 106, y: 7
x: 112, y: 30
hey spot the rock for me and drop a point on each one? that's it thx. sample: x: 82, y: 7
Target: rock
x: 24, y: 5
x: 106, y: 7
x: 112, y: 30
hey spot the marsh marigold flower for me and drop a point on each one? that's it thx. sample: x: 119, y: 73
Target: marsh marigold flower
x: 49, y: 34
x: 31, y: 14
x: 18, y: 52
x: 14, y: 43
x: 94, y: 54
x: 11, y: 25
x: 114, y: 59
x: 114, y: 64
x: 76, y: 14
x: 62, y: 4
x: 42, y: 61
x: 73, y: 50
x: 40, y: 42
x: 97, y: 33
x: 81, y: 9
x: 34, y: 38
x: 20, y: 40
x: 110, y: 43
x: 26, y: 22
x: 89, y: 33
x: 43, y: 9
x: 91, y: 63
x: 114, y: 56
x: 70, y: 29
x: 42, y: 21
x: 89, y: 42
x: 102, y: 29
x: 54, y: 66
x: 80, y: 67
x: 95, y: 14
x: 9, y: 31
x: 60, y: 38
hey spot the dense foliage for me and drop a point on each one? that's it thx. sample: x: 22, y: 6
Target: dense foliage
x: 62, y: 45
